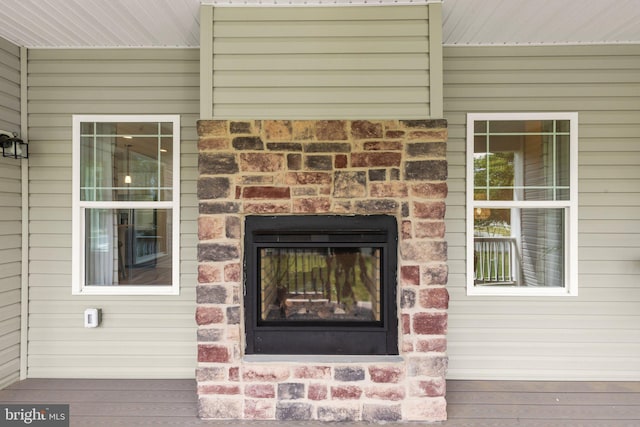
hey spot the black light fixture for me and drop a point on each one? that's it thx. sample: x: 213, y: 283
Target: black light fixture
x: 12, y: 146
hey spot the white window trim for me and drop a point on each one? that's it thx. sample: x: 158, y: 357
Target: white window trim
x: 77, y: 263
x: 571, y: 209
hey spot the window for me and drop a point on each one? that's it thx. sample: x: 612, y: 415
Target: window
x: 522, y: 204
x: 126, y: 202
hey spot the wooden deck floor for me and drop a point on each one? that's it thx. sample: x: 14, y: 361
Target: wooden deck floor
x: 470, y: 403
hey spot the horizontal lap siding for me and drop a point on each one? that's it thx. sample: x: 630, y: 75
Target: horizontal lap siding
x: 140, y: 337
x: 321, y: 62
x: 595, y: 335
x: 10, y: 220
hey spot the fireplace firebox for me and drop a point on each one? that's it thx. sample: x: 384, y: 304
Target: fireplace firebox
x: 321, y: 284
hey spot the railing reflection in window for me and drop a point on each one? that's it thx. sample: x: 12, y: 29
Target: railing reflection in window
x: 496, y: 261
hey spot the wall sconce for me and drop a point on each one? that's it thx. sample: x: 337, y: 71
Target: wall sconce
x: 12, y: 146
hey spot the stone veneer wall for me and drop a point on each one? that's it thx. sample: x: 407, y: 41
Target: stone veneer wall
x: 395, y: 167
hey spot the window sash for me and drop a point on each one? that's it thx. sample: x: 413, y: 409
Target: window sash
x: 172, y: 207
x: 569, y: 206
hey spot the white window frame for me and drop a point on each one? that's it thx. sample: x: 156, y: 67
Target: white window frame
x: 570, y: 208
x: 78, y: 206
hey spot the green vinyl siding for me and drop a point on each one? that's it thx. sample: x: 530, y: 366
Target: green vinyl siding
x: 10, y: 220
x: 140, y: 337
x: 593, y: 336
x: 328, y: 62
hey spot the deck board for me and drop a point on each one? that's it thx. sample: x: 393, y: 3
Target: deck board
x: 470, y: 403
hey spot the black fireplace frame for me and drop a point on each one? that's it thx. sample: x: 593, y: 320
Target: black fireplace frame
x: 317, y: 337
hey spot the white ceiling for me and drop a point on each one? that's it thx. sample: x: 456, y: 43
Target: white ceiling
x: 174, y: 23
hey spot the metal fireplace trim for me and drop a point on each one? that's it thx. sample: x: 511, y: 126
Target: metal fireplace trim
x: 322, y: 338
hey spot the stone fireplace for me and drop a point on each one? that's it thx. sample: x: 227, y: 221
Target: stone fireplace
x: 298, y: 172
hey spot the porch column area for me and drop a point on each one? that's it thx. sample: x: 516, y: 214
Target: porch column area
x: 337, y: 167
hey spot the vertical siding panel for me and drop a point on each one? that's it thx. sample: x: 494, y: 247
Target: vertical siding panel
x: 140, y: 337
x: 10, y: 220
x: 592, y: 336
x: 319, y: 63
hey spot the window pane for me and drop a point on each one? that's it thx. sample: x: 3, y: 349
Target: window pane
x: 519, y: 247
x: 128, y: 247
x: 527, y: 160
x: 126, y: 162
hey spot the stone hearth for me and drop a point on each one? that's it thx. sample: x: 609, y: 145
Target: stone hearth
x: 360, y: 167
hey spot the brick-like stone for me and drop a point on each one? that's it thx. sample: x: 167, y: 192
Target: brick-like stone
x: 277, y: 130
x: 210, y: 335
x: 259, y: 409
x: 284, y: 146
x: 212, y: 128
x: 407, y: 298
x: 317, y: 392
x: 425, y: 170
x: 312, y: 372
x: 425, y: 251
x: 312, y: 205
x: 213, y: 144
x: 385, y: 374
x: 211, y: 208
x: 376, y: 159
x: 406, y: 324
x: 377, y: 174
x: 267, y: 208
x: 427, y: 366
x: 307, y: 178
x: 350, y: 392
x: 381, y: 413
x: 265, y: 374
x: 232, y: 227
x: 211, y: 294
x: 208, y: 273
x: 394, y: 134
x: 247, y: 143
x: 349, y: 184
x: 429, y: 210
x: 291, y: 391
x: 294, y: 161
x: 430, y: 190
x: 389, y: 189
x: 216, y: 252
x: 210, y: 353
x: 363, y: 129
x: 428, y: 135
x: 217, y: 164
x: 319, y: 162
x: 334, y: 414
x: 427, y: 149
x: 266, y: 192
x: 425, y: 409
x: 376, y: 206
x: 437, y: 298
x: 385, y: 392
x: 213, y: 188
x: 303, y: 130
x: 206, y: 315
x: 349, y: 373
x: 262, y: 162
x: 213, y: 407
x: 331, y: 130
x: 240, y: 127
x: 234, y: 373
x: 210, y: 374
x: 327, y: 147
x: 394, y: 174
x: 406, y: 230
x: 430, y: 323
x: 436, y: 274
x: 433, y: 344
x: 341, y: 161
x: 424, y: 124
x: 293, y: 411
x: 260, y: 391
x: 410, y: 275
x: 232, y: 273
x: 210, y: 227
x: 220, y: 389
x: 233, y: 315
x: 432, y: 387
x: 430, y: 229
x: 382, y: 146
